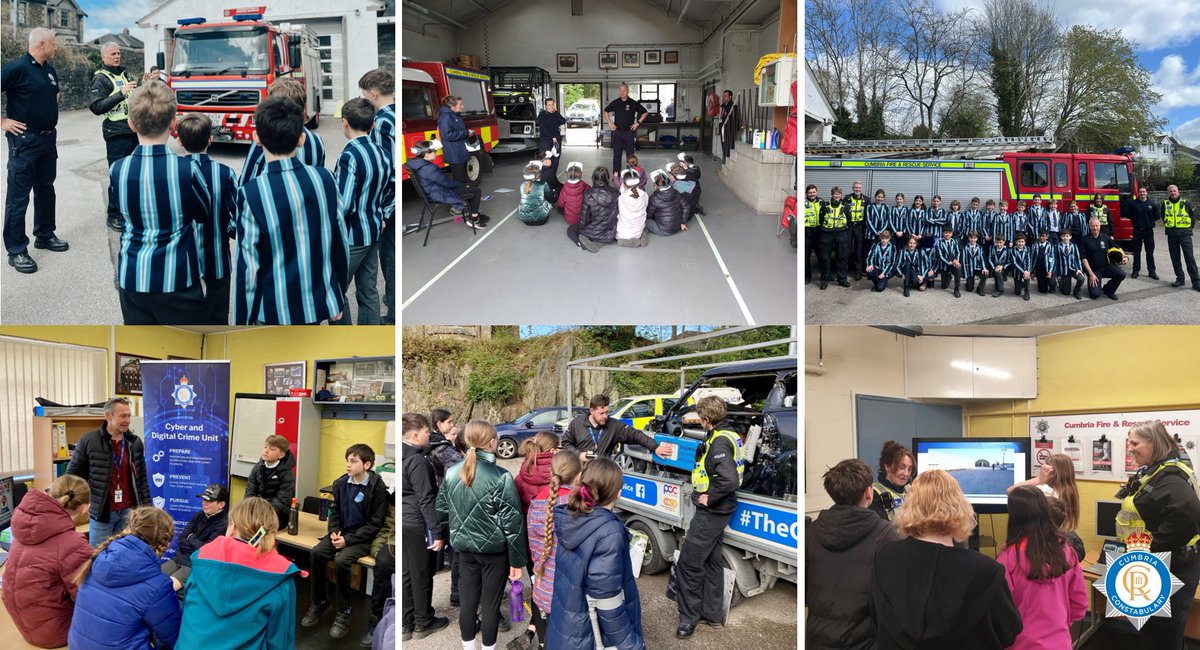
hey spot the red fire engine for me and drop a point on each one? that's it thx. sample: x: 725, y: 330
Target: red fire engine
x: 425, y: 83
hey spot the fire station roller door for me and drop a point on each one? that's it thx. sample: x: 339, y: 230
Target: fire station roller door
x: 966, y: 185
x: 829, y: 178
x: 912, y: 182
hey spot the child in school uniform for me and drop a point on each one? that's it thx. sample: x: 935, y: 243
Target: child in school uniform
x: 948, y: 252
x: 972, y: 220
x: 360, y: 505
x: 534, y: 210
x: 877, y: 217
x: 379, y: 87
x: 900, y: 220
x: 273, y: 477
x: 957, y: 223
x: 292, y: 257
x: 987, y: 226
x: 212, y: 243
x: 974, y: 262
x: 1022, y: 265
x: 1003, y: 225
x: 366, y: 195
x: 918, y: 221
x: 935, y: 218
x: 1068, y: 265
x: 912, y: 266
x: 882, y: 261
x: 1036, y: 211
x: 570, y: 198
x: 631, y: 215
x: 1022, y: 221
x: 161, y: 196
x: 1074, y: 222
x: 999, y: 260
x: 692, y: 173
x: 311, y: 152
x: 1043, y: 262
x: 206, y: 525
x: 1050, y: 220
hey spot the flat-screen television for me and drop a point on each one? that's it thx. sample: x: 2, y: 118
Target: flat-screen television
x: 7, y: 502
x: 984, y: 467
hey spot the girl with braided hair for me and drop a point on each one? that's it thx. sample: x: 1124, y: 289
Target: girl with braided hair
x: 125, y: 600
x: 564, y: 474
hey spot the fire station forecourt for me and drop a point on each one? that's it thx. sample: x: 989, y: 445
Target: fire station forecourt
x: 731, y: 265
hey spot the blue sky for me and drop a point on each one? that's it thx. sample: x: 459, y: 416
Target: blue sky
x: 111, y: 16
x: 1168, y: 34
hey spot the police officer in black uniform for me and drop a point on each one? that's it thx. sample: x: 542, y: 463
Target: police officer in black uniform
x: 110, y: 98
x: 856, y: 203
x: 550, y: 123
x: 31, y: 85
x: 835, y: 239
x: 624, y: 116
x: 1143, y: 214
x: 1179, y: 218
x: 1093, y: 251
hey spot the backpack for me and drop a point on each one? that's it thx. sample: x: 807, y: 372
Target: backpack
x: 790, y: 134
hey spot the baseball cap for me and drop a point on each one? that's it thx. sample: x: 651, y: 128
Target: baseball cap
x: 215, y: 492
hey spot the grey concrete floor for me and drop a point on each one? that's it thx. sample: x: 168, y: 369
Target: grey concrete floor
x: 77, y: 287
x: 765, y: 622
x: 1140, y: 301
x: 513, y: 273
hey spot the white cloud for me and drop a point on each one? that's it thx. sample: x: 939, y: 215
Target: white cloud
x: 111, y: 19
x: 1188, y: 132
x: 1178, y: 85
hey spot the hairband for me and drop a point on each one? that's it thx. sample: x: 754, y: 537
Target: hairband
x: 587, y: 498
x: 258, y: 535
x: 71, y: 494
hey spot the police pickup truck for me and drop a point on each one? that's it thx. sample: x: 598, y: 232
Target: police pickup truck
x: 762, y: 540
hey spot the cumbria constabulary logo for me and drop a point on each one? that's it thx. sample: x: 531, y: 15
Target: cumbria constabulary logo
x: 1138, y: 583
x: 184, y: 394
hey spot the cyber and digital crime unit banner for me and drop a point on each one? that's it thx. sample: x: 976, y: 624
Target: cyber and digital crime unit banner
x: 186, y: 409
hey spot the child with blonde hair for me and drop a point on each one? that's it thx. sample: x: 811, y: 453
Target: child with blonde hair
x: 564, y: 474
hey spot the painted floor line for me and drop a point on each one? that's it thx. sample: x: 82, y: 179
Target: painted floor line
x: 725, y: 270
x: 490, y: 230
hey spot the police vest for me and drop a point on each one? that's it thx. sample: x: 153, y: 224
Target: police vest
x: 856, y: 208
x: 700, y: 475
x: 1101, y: 213
x: 1130, y: 520
x: 891, y: 499
x: 812, y: 212
x: 835, y: 217
x: 120, y: 112
x: 1175, y: 215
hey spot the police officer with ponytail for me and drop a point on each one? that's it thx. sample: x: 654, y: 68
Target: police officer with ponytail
x: 1179, y: 218
x: 110, y: 98
x: 699, y: 572
x: 1163, y: 500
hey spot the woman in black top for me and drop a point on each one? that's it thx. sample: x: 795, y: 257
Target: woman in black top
x: 896, y: 467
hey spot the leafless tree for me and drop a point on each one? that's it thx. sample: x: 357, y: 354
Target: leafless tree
x: 1027, y: 34
x: 933, y: 48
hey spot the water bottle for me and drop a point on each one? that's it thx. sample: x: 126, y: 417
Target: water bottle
x: 775, y: 139
x: 294, y: 519
x: 323, y: 513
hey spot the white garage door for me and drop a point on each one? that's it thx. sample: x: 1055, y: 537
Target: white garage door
x: 333, y: 68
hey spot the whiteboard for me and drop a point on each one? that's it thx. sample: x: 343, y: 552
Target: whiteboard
x: 253, y: 421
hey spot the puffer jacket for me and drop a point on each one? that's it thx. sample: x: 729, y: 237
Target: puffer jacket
x: 93, y: 462
x: 125, y: 600
x: 277, y: 486
x: 534, y: 210
x: 666, y: 208
x: 442, y: 454
x: 200, y: 530
x: 598, y: 214
x: 39, y: 589
x: 693, y: 174
x: 453, y: 133
x: 486, y: 517
x: 631, y: 216
x: 592, y: 559
x: 570, y: 199
x: 529, y: 484
x: 438, y: 187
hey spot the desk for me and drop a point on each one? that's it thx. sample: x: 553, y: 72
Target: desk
x: 1099, y: 603
x: 310, y: 531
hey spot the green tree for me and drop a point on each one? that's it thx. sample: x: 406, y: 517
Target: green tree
x: 1005, y: 85
x: 1182, y: 171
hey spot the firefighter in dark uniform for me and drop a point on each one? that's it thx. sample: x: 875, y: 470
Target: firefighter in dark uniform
x: 110, y: 98
x: 550, y: 123
x: 1143, y: 214
x: 700, y: 571
x: 1179, y: 218
x: 1094, y: 250
x: 624, y: 115
x: 813, y: 209
x: 856, y: 203
x: 835, y: 240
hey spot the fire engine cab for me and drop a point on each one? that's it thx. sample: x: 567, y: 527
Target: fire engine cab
x: 1008, y: 169
x: 223, y: 69
x: 424, y: 85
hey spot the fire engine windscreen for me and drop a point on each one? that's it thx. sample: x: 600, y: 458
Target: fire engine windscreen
x: 221, y: 50
x: 473, y: 95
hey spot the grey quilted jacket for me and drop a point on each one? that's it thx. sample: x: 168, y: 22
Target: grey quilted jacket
x: 486, y: 517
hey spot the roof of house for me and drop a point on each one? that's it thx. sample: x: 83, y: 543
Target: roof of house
x: 123, y: 39
x: 60, y: 3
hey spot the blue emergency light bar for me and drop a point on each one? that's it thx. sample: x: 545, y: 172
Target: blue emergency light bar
x: 240, y: 17
x: 192, y: 21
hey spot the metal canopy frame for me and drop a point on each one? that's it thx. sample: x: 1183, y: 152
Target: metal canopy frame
x: 640, y: 365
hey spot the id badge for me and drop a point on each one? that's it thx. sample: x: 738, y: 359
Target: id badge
x: 118, y: 495
x: 358, y: 498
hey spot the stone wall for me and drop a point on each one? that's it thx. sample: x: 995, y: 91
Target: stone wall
x: 76, y: 65
x: 760, y: 177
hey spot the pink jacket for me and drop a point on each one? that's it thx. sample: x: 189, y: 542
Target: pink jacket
x: 1048, y: 607
x: 570, y: 199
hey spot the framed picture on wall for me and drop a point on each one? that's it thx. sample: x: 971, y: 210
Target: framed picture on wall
x: 129, y: 373
x: 568, y: 63
x: 608, y: 61
x: 671, y: 56
x: 631, y: 59
x: 653, y: 57
x: 278, y: 378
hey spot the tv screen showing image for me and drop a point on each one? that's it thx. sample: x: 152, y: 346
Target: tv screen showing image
x: 984, y: 467
x: 7, y: 502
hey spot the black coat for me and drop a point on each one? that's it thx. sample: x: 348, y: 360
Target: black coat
x: 441, y: 454
x: 200, y: 530
x: 418, y: 490
x: 934, y: 597
x: 666, y: 208
x: 278, y: 486
x: 721, y: 466
x: 1143, y: 214
x: 578, y: 437
x: 693, y: 174
x: 839, y: 560
x: 375, y: 504
x: 102, y: 100
x: 93, y: 462
x: 598, y: 214
x: 1168, y: 505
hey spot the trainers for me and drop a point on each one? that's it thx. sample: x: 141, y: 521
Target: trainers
x: 23, y: 263
x: 438, y: 623
x: 313, y: 615
x: 475, y: 223
x: 341, y: 624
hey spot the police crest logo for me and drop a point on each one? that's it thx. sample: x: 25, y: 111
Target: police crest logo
x: 184, y: 394
x: 1138, y: 583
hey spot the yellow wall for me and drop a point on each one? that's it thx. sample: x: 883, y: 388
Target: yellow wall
x: 249, y: 349
x: 1098, y: 370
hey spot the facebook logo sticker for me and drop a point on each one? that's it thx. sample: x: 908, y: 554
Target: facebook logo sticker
x: 642, y: 491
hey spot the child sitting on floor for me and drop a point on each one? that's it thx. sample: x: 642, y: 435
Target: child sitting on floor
x: 631, y: 217
x: 534, y: 209
x: 570, y: 198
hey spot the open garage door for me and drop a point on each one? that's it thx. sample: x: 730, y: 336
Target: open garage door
x: 580, y: 104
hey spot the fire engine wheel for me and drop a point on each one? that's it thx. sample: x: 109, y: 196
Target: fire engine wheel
x: 474, y: 170
x: 659, y: 547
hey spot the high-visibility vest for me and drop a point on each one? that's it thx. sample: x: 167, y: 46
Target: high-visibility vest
x: 891, y: 499
x: 1130, y: 520
x: 812, y: 212
x: 120, y: 112
x: 1175, y: 215
x: 857, y: 206
x: 835, y: 217
x: 1101, y: 213
x: 700, y: 478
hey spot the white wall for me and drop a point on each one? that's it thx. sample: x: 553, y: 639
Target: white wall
x: 743, y: 48
x: 437, y: 44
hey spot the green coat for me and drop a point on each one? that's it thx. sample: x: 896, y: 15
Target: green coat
x: 534, y: 208
x: 486, y: 517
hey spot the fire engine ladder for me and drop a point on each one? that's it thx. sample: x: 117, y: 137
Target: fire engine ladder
x: 947, y: 148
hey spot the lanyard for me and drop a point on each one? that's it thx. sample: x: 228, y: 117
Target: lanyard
x: 120, y: 458
x: 595, y: 440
